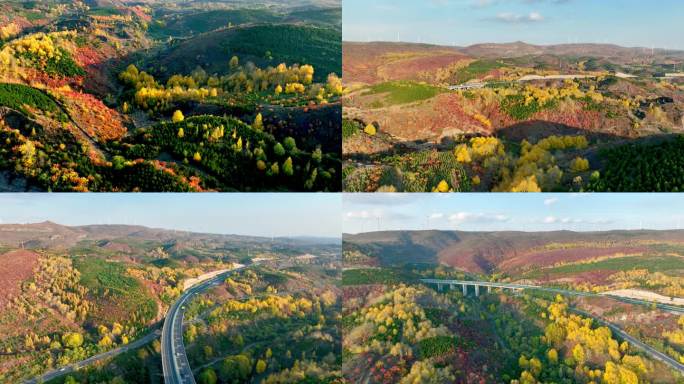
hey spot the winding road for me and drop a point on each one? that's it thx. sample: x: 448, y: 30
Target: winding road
x: 55, y: 373
x: 174, y: 359
x: 652, y: 352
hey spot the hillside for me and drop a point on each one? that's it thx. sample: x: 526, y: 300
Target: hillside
x: 374, y: 62
x: 262, y: 44
x: 491, y: 117
x: 504, y: 252
x: 82, y: 85
x: 73, y: 292
x: 397, y: 327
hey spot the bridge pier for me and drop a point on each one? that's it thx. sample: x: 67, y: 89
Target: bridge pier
x: 465, y: 290
x: 452, y: 287
x: 477, y: 290
x: 489, y: 289
x: 439, y: 287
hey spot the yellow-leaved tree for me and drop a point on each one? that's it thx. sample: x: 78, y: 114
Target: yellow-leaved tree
x: 177, y: 117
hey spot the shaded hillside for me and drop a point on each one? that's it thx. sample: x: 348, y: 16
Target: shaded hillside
x: 490, y: 252
x: 264, y: 45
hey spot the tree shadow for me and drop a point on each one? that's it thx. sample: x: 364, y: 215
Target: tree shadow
x: 533, y: 131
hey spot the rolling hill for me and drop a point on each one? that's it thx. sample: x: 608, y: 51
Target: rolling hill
x: 72, y: 292
x: 505, y: 252
x: 78, y: 95
x: 417, y: 115
x: 262, y: 44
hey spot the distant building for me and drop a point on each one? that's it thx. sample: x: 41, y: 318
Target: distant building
x: 305, y: 259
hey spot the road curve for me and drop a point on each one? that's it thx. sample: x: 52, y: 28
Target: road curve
x: 654, y: 353
x: 174, y: 360
x: 55, y: 373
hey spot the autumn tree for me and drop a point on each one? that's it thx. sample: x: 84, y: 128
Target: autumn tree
x: 578, y: 354
x: 552, y: 355
x: 260, y: 366
x: 579, y: 165
x: 72, y: 340
x: 258, y: 122
x: 177, y: 116
x: 287, y: 167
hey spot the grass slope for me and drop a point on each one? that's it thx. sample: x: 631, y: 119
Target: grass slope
x: 404, y: 92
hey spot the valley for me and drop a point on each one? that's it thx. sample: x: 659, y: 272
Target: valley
x: 88, y: 303
x: 513, y: 307
x: 511, y: 117
x: 155, y: 96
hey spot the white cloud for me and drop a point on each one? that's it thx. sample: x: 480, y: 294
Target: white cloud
x: 436, y: 216
x: 462, y: 217
x: 550, y: 220
x: 376, y: 214
x: 508, y: 17
x: 550, y: 201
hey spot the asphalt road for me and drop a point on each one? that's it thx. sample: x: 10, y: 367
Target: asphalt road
x: 654, y: 353
x: 176, y: 369
x: 174, y: 359
x: 666, y: 307
x: 84, y: 363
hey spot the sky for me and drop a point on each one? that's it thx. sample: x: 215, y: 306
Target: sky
x: 253, y: 214
x: 629, y: 23
x: 516, y: 212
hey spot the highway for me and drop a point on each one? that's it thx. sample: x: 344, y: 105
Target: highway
x: 93, y: 359
x: 652, y: 352
x: 174, y: 360
x: 666, y: 307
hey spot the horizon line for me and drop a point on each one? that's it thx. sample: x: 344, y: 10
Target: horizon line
x: 510, y: 42
x: 513, y: 230
x: 174, y: 229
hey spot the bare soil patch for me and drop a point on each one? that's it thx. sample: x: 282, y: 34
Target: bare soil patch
x: 15, y: 267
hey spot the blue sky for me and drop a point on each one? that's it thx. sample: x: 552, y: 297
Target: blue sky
x: 256, y: 214
x: 465, y: 22
x: 519, y: 212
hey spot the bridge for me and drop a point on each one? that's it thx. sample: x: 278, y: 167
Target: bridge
x: 464, y: 284
x: 652, y: 352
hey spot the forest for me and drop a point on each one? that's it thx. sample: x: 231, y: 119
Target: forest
x: 83, y: 83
